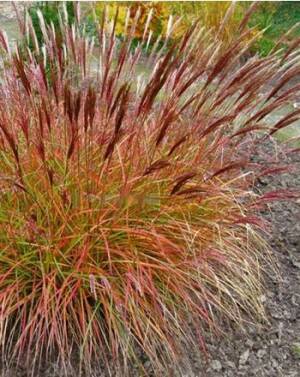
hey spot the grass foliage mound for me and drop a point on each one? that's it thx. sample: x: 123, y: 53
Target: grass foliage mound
x: 128, y: 219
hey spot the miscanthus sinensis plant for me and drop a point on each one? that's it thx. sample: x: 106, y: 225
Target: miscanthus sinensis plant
x: 128, y: 218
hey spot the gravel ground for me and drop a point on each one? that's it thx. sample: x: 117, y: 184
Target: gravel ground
x: 272, y: 351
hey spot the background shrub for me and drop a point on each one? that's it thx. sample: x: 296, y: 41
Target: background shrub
x: 210, y: 15
x: 276, y: 18
x: 51, y: 14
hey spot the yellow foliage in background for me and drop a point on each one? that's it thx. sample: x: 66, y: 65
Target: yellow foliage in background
x: 159, y: 15
x: 210, y: 14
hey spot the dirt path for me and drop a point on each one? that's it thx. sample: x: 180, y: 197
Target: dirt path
x: 8, y: 20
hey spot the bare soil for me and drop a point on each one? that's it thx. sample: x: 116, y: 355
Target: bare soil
x: 274, y: 350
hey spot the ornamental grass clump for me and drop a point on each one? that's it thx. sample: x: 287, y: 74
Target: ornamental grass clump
x: 128, y: 218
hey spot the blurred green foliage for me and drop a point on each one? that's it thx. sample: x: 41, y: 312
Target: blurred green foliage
x: 275, y: 18
x: 50, y: 11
